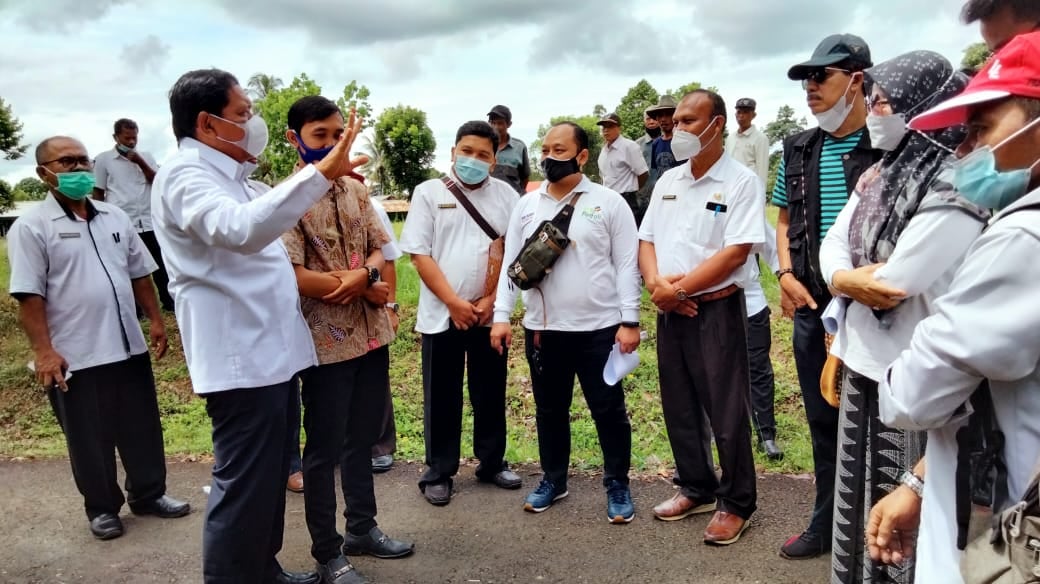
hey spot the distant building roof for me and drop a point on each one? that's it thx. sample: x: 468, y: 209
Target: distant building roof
x: 20, y: 208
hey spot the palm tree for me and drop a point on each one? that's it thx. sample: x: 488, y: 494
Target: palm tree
x: 373, y: 169
x: 261, y: 84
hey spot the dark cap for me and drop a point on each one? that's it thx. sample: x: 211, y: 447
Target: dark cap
x: 665, y: 104
x: 501, y: 111
x: 610, y: 118
x: 832, y: 50
x: 746, y: 103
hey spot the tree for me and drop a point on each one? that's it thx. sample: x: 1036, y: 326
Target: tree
x: 975, y: 56
x: 639, y: 97
x: 262, y: 84
x: 588, y: 123
x: 30, y: 189
x: 356, y: 97
x: 374, y: 170
x: 280, y: 157
x: 10, y: 133
x: 783, y: 126
x: 682, y: 90
x: 600, y: 110
x: 6, y: 197
x: 407, y: 144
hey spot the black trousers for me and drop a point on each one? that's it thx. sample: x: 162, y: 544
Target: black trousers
x: 112, y: 407
x: 343, y: 407
x: 445, y: 357
x: 159, y: 276
x: 703, y: 369
x: 387, y: 441
x: 555, y: 359
x: 763, y: 388
x: 245, y: 516
x: 810, y: 353
x: 638, y: 210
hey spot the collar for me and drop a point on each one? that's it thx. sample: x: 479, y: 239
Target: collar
x: 750, y: 130
x: 714, y: 173
x: 56, y: 209
x: 581, y: 187
x: 507, y: 144
x: 224, y: 163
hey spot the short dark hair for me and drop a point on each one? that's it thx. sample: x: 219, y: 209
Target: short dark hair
x: 201, y: 90
x: 480, y: 129
x: 42, y: 147
x: 1029, y: 105
x: 975, y: 10
x: 581, y: 137
x: 123, y: 124
x: 312, y: 108
x: 718, y: 105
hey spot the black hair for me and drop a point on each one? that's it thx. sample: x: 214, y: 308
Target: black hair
x: 480, y: 129
x: 718, y: 105
x: 201, y: 90
x: 580, y: 135
x: 42, y: 147
x: 123, y: 124
x: 312, y: 108
x: 975, y: 10
x: 1029, y: 105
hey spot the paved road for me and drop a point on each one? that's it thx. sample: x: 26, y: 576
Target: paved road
x: 483, y: 537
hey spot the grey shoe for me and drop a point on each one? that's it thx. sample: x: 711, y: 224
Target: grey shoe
x: 377, y: 544
x: 382, y: 463
x: 438, y: 494
x: 772, y: 451
x: 339, y: 571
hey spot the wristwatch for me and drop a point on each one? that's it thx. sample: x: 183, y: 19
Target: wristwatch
x: 780, y: 273
x: 913, y: 482
x: 681, y: 294
x: 394, y: 306
x: 628, y: 324
x: 373, y: 274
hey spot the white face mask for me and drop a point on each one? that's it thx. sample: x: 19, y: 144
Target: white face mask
x: 886, y: 132
x: 832, y: 119
x: 686, y: 145
x: 256, y: 136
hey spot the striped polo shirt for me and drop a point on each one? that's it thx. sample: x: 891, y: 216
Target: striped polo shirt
x: 834, y: 193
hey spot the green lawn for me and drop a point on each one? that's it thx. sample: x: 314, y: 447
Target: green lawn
x: 28, y: 429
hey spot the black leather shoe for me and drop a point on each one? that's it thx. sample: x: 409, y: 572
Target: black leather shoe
x: 285, y: 577
x: 166, y: 507
x: 106, y: 526
x: 772, y: 451
x: 377, y: 544
x: 438, y: 494
x: 382, y: 463
x: 505, y: 479
x: 339, y: 571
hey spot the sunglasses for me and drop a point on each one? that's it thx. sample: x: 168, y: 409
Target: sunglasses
x: 821, y: 75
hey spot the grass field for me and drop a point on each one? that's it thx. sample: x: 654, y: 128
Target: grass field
x: 28, y: 428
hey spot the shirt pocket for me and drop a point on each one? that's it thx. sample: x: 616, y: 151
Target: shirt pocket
x: 707, y: 228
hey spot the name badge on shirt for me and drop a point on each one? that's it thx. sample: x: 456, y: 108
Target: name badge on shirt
x: 446, y: 206
x: 669, y: 198
x: 68, y: 235
x: 716, y: 207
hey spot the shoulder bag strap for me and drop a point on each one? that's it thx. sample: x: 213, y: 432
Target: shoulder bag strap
x: 468, y: 205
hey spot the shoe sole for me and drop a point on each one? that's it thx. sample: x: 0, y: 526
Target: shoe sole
x: 381, y: 469
x: 532, y: 509
x: 186, y: 511
x: 706, y: 508
x: 347, y: 551
x: 775, y: 457
x: 787, y: 556
x: 107, y: 535
x: 732, y: 540
x: 438, y: 502
x: 621, y: 519
x: 506, y: 486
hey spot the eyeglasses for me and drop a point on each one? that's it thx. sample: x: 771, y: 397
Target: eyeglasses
x: 820, y: 76
x: 70, y: 161
x: 878, y: 103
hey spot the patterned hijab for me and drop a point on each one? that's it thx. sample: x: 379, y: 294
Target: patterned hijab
x: 890, y: 194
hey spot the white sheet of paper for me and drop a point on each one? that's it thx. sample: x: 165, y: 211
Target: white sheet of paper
x: 619, y: 365
x: 834, y: 315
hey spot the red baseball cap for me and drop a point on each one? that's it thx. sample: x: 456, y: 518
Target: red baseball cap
x: 1013, y: 71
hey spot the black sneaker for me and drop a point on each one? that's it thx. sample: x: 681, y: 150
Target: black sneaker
x: 806, y: 546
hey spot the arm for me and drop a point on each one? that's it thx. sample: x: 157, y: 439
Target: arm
x: 892, y: 528
x: 525, y: 168
x: 144, y: 295
x: 142, y: 162
x: 985, y: 327
x: 762, y: 158
x: 624, y: 256
x: 637, y: 163
x: 835, y: 254
x: 50, y: 365
x: 100, y: 179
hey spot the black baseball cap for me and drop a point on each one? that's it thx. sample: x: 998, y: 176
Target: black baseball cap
x: 746, y: 103
x: 834, y: 49
x: 501, y: 111
x: 610, y: 118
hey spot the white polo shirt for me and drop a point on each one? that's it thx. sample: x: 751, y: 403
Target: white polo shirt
x: 126, y: 186
x: 754, y: 296
x: 392, y: 250
x: 595, y: 283
x: 235, y: 291
x: 750, y: 148
x: 620, y: 164
x: 686, y: 232
x: 83, y: 270
x: 438, y: 226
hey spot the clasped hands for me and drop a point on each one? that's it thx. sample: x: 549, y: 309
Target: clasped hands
x: 663, y: 295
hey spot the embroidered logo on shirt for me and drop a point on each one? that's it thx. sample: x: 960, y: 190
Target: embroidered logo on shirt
x: 593, y: 213
x: 525, y: 219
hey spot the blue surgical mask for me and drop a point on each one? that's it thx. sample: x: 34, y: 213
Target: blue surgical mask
x: 310, y: 155
x: 470, y: 170
x: 977, y: 179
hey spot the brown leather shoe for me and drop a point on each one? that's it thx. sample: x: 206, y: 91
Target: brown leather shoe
x: 680, y: 507
x: 724, y: 529
x: 295, y: 483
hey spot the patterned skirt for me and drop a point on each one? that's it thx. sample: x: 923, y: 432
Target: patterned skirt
x: 871, y: 459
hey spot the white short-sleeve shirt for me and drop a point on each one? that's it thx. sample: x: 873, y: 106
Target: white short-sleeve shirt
x: 392, y: 250
x: 83, y: 269
x: 621, y: 163
x: 126, y: 186
x: 438, y: 226
x: 690, y: 220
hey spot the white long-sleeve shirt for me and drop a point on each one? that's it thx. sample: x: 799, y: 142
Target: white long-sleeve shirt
x: 237, y: 303
x: 595, y: 283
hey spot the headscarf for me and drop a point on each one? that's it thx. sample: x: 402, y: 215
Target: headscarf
x: 891, y: 194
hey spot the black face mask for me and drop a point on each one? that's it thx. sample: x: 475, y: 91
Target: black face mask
x: 557, y: 170
x: 653, y: 132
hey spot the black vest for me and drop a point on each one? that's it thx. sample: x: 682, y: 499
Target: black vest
x: 802, y: 178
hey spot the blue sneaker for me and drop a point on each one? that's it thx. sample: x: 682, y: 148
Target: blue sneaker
x: 543, y: 497
x: 620, y: 508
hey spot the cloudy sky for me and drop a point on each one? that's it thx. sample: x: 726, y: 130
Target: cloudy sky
x: 75, y: 66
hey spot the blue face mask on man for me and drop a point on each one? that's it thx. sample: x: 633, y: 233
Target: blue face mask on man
x: 310, y: 155
x: 470, y: 170
x: 977, y: 179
